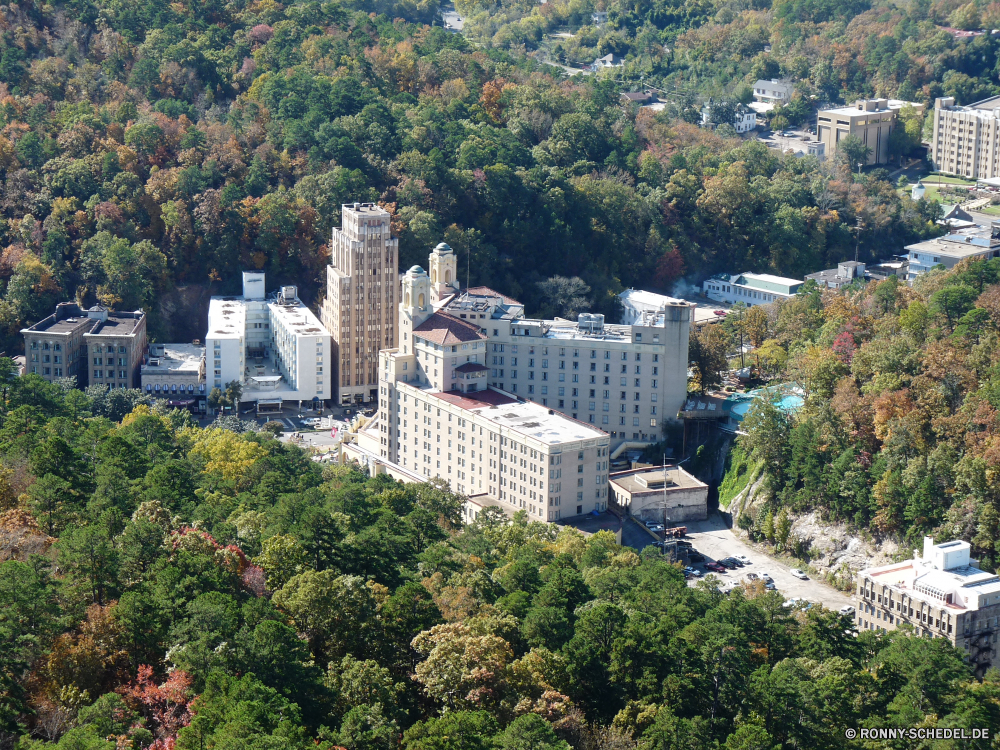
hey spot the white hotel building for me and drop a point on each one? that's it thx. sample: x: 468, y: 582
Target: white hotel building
x: 275, y: 347
x: 455, y: 403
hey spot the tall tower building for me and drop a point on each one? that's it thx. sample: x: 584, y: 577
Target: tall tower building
x: 360, y: 309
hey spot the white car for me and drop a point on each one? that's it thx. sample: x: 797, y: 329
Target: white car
x: 765, y: 577
x: 800, y: 574
x: 311, y: 421
x: 743, y: 559
x: 655, y: 527
x: 847, y: 610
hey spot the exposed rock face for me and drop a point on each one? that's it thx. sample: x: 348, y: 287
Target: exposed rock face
x: 182, y: 313
x: 833, y: 549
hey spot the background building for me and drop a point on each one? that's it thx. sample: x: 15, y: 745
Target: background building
x: 276, y: 348
x: 871, y: 120
x: 360, y: 306
x: 96, y: 347
x: 773, y: 91
x: 439, y: 418
x: 834, y: 278
x: 940, y: 594
x: 663, y: 495
x: 750, y: 288
x: 175, y: 371
x: 966, y: 140
x: 971, y: 242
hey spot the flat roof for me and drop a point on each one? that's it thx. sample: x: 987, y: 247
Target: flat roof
x: 115, y: 325
x: 176, y: 358
x: 297, y: 318
x: 61, y: 327
x: 960, y: 243
x: 770, y: 278
x: 677, y: 479
x: 524, y: 417
x: 642, y: 297
x: 855, y: 112
x: 226, y: 317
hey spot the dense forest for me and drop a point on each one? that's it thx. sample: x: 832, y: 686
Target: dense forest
x: 833, y: 50
x: 149, y: 152
x: 900, y: 434
x: 168, y: 587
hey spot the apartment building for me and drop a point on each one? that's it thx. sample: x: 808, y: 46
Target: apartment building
x: 969, y: 242
x: 966, y: 139
x: 750, y: 288
x: 275, y: 347
x: 361, y: 297
x: 97, y: 347
x: 439, y: 417
x: 941, y: 593
x: 54, y: 347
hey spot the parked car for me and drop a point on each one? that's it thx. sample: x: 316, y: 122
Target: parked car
x: 765, y: 577
x: 847, y: 610
x: 715, y: 567
x: 752, y: 577
x: 655, y: 527
x: 800, y: 574
x: 684, y: 543
x: 311, y: 421
x: 769, y: 585
x: 729, y: 563
x: 695, y: 556
x: 743, y: 559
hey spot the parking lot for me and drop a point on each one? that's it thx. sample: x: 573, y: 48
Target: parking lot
x: 795, y: 140
x: 715, y: 541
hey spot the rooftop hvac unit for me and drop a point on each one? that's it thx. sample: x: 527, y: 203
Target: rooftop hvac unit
x: 289, y: 293
x: 590, y: 322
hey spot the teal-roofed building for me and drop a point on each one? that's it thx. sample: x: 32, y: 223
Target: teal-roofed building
x: 750, y: 288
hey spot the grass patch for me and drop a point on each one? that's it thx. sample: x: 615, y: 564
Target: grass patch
x: 945, y: 180
x: 989, y: 210
x: 740, y: 473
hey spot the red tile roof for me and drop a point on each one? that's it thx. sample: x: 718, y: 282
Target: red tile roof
x: 442, y: 328
x: 485, y: 291
x: 476, y: 399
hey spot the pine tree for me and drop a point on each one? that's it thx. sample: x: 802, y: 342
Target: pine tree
x: 768, y: 528
x: 783, y: 528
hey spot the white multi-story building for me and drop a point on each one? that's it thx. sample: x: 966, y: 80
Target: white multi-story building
x: 940, y: 594
x: 750, y: 288
x: 360, y: 305
x: 969, y: 242
x: 438, y: 417
x: 626, y: 379
x: 966, y: 139
x: 276, y: 348
x: 773, y: 91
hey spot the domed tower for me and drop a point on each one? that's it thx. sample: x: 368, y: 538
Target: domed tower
x: 415, y: 306
x: 444, y: 272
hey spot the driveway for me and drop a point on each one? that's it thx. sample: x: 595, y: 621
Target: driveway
x: 633, y: 535
x: 715, y: 541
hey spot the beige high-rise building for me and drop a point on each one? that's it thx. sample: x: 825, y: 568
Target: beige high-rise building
x: 361, y: 298
x: 967, y: 139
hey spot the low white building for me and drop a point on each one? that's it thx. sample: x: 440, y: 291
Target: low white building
x: 174, y: 372
x: 275, y: 347
x: 773, y: 91
x: 744, y: 118
x: 750, y: 288
x: 636, y: 303
x: 663, y: 495
x: 970, y: 242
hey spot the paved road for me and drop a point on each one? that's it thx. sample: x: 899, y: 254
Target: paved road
x: 715, y: 541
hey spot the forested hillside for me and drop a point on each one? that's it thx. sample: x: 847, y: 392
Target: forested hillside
x: 833, y: 50
x: 164, y: 586
x: 900, y: 435
x: 149, y: 152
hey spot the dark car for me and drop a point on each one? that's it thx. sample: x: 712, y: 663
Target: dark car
x: 695, y: 556
x: 684, y: 543
x: 729, y: 563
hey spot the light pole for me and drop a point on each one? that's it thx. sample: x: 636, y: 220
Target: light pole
x: 859, y: 168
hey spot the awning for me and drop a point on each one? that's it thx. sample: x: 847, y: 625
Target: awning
x: 181, y: 402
